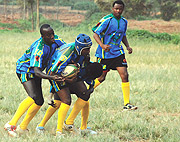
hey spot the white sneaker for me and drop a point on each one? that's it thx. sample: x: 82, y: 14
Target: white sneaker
x: 87, y: 131
x: 69, y: 128
x: 40, y: 129
x: 21, y: 131
x: 11, y: 129
x: 59, y: 134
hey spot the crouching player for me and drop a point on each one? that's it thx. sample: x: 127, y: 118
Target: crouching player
x: 77, y: 52
x: 89, y: 73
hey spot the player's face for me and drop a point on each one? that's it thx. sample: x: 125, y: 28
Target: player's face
x: 48, y: 36
x: 85, y: 52
x: 118, y: 10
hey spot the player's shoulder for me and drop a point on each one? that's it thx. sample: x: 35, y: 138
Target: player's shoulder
x: 124, y: 19
x: 38, y: 44
x: 57, y: 38
x: 106, y: 18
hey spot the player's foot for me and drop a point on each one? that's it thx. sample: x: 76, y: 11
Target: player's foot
x: 59, y: 134
x: 21, y: 131
x: 11, y: 129
x: 129, y: 107
x: 70, y: 128
x: 40, y: 129
x: 87, y: 131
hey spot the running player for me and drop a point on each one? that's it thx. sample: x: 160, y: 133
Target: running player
x: 110, y: 33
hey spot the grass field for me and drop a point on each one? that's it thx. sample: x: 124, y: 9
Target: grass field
x: 154, y: 73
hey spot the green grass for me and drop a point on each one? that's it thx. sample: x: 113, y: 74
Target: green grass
x: 154, y: 73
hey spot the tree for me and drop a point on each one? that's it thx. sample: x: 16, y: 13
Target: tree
x: 37, y: 18
x: 168, y: 8
x: 31, y: 2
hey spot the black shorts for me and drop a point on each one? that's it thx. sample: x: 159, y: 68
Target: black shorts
x: 108, y: 64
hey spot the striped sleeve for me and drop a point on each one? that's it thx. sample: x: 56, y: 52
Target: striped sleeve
x: 36, y: 56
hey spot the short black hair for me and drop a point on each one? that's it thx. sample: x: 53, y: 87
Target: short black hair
x: 118, y: 2
x: 94, y: 70
x: 44, y: 26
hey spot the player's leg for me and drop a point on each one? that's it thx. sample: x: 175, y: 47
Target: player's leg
x: 80, y: 89
x: 125, y: 85
x: 34, y: 90
x: 99, y: 80
x: 65, y: 97
x: 50, y: 111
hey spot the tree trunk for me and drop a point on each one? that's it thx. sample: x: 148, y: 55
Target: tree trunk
x: 32, y: 17
x: 5, y: 9
x: 37, y: 20
x: 24, y: 14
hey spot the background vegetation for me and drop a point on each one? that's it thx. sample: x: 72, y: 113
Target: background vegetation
x: 155, y: 85
x: 153, y: 70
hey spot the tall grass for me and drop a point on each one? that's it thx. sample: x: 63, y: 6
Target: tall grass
x: 154, y: 73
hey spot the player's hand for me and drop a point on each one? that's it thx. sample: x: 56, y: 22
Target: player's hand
x: 106, y: 47
x: 58, y: 78
x: 129, y: 50
x: 71, y: 80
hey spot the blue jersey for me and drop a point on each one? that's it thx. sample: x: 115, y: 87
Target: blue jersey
x: 62, y: 56
x: 111, y: 32
x: 37, y: 55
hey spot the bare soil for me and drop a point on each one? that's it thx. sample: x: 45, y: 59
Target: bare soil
x: 74, y: 18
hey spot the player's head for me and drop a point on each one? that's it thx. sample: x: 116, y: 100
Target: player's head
x: 118, y: 8
x: 83, y: 42
x: 94, y: 70
x: 47, y: 33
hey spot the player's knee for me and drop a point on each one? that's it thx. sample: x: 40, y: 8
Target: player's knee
x: 66, y: 101
x: 124, y: 77
x: 39, y: 101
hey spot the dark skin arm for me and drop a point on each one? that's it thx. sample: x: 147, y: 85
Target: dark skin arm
x: 125, y: 41
x: 103, y: 46
x: 40, y: 74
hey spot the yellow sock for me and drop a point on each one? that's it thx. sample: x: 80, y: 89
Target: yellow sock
x: 97, y: 83
x: 76, y: 109
x: 62, y: 115
x: 50, y: 111
x: 126, y: 91
x: 33, y: 109
x: 24, y: 105
x: 84, y: 116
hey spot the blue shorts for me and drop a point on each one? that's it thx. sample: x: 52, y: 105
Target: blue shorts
x: 25, y: 76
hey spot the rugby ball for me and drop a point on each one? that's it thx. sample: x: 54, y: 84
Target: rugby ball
x: 70, y: 71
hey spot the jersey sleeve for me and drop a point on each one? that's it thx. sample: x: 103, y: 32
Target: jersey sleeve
x: 62, y: 60
x: 36, y: 55
x: 101, y: 26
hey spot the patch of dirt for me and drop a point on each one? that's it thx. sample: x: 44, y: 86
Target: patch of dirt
x: 74, y: 18
x: 155, y: 26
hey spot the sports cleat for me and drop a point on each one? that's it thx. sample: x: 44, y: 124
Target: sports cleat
x: 59, y: 134
x: 21, y: 131
x: 70, y: 128
x: 87, y: 131
x: 129, y: 107
x: 40, y: 129
x: 11, y: 129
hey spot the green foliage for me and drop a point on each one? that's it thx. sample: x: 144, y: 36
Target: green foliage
x: 168, y: 8
x: 175, y: 39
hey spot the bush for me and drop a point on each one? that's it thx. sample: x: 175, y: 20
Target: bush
x: 175, y: 39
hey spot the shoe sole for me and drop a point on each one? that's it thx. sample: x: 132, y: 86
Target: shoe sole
x: 134, y: 108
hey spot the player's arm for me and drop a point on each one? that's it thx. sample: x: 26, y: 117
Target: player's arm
x: 105, y: 47
x: 40, y: 74
x: 126, y: 43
